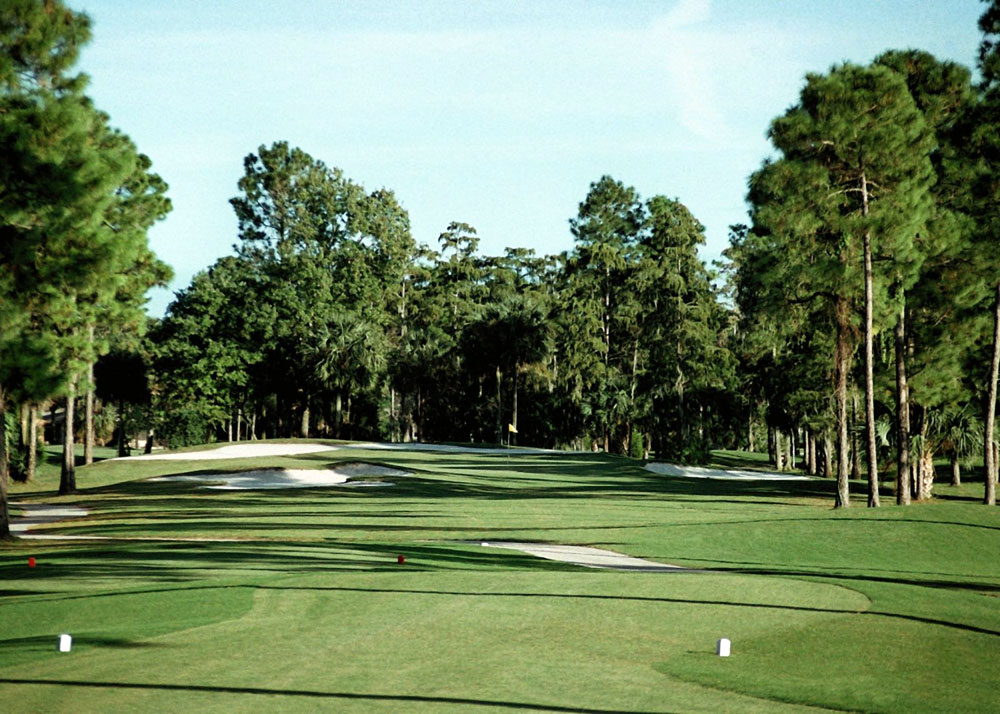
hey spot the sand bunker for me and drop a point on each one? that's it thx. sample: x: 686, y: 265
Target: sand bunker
x: 261, y: 479
x: 253, y: 449
x: 40, y: 514
x: 727, y: 474
x: 585, y: 556
x: 244, y: 450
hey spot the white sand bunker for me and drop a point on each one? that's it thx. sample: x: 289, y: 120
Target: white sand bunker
x: 585, y: 556
x: 727, y: 474
x: 253, y: 449
x: 248, y: 449
x: 261, y: 479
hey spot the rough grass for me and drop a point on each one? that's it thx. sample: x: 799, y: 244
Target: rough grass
x: 306, y: 608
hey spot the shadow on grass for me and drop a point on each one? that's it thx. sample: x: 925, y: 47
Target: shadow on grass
x: 48, y: 642
x: 313, y: 694
x: 185, y: 562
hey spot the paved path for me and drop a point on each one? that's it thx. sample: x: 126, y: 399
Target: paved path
x: 587, y: 557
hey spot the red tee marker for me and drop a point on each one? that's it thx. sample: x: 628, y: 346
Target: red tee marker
x: 31, y: 562
x: 400, y: 559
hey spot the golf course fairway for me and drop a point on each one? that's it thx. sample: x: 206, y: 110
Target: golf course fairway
x: 180, y: 597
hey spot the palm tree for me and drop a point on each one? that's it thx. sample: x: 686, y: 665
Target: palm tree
x: 347, y: 356
x: 961, y: 436
x: 510, y: 336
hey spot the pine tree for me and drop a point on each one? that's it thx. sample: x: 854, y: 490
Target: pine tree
x: 932, y: 331
x: 606, y: 231
x: 987, y: 142
x: 852, y: 184
x: 60, y: 170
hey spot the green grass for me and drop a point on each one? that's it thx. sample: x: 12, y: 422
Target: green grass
x: 304, y: 608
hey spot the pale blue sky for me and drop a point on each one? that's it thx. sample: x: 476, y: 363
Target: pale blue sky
x: 498, y: 114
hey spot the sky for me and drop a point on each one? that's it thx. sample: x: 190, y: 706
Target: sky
x: 499, y: 114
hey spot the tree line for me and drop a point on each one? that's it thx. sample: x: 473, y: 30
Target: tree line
x: 854, y: 322
x: 871, y: 264
x: 330, y: 320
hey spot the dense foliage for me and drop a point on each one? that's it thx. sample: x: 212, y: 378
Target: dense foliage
x: 76, y: 199
x: 330, y: 320
x: 859, y: 312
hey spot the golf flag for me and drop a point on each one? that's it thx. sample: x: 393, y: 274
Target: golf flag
x: 512, y: 429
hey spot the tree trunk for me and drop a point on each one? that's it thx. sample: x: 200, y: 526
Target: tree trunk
x: 122, y: 446
x: 514, y: 410
x: 855, y: 457
x: 4, y: 471
x: 32, y: 442
x: 924, y: 468
x: 903, y: 495
x: 680, y: 399
x: 842, y: 367
x: 989, y: 460
x: 956, y: 470
x: 392, y: 413
x: 792, y: 445
x: 253, y: 424
x: 304, y: 426
x: 148, y: 448
x: 67, y: 479
x: 418, y: 424
x: 22, y: 432
x: 239, y: 422
x: 750, y: 443
x: 828, y: 457
x: 88, y: 418
x: 872, y: 444
x: 779, y: 450
x: 499, y: 406
x: 926, y: 473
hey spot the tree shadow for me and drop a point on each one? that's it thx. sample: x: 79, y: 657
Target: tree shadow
x: 314, y: 694
x: 47, y: 642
